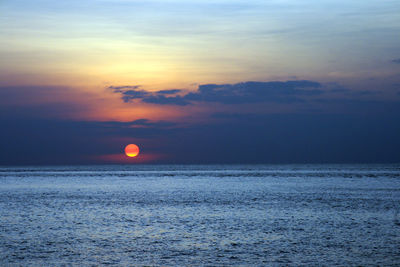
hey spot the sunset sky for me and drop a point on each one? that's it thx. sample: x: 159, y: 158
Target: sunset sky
x: 272, y: 81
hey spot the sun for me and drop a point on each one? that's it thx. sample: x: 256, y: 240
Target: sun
x: 132, y: 150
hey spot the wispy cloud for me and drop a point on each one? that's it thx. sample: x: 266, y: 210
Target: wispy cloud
x: 124, y: 87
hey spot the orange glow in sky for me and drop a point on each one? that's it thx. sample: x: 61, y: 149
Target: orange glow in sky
x: 132, y: 150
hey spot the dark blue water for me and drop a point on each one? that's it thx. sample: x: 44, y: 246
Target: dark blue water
x: 200, y: 215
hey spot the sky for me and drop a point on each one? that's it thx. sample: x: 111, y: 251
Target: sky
x: 199, y: 82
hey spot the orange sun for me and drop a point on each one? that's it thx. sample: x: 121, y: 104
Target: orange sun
x: 132, y: 150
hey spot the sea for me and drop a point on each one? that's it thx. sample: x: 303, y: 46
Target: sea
x: 200, y: 215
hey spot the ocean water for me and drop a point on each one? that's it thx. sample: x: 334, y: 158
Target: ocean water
x: 171, y: 215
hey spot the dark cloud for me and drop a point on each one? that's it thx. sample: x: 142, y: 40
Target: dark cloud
x: 129, y: 92
x: 396, y: 61
x: 163, y: 100
x: 252, y: 92
x: 239, y: 93
x: 136, y: 123
x: 169, y: 92
x: 128, y: 95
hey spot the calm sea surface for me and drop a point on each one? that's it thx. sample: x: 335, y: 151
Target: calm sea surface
x: 249, y: 215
